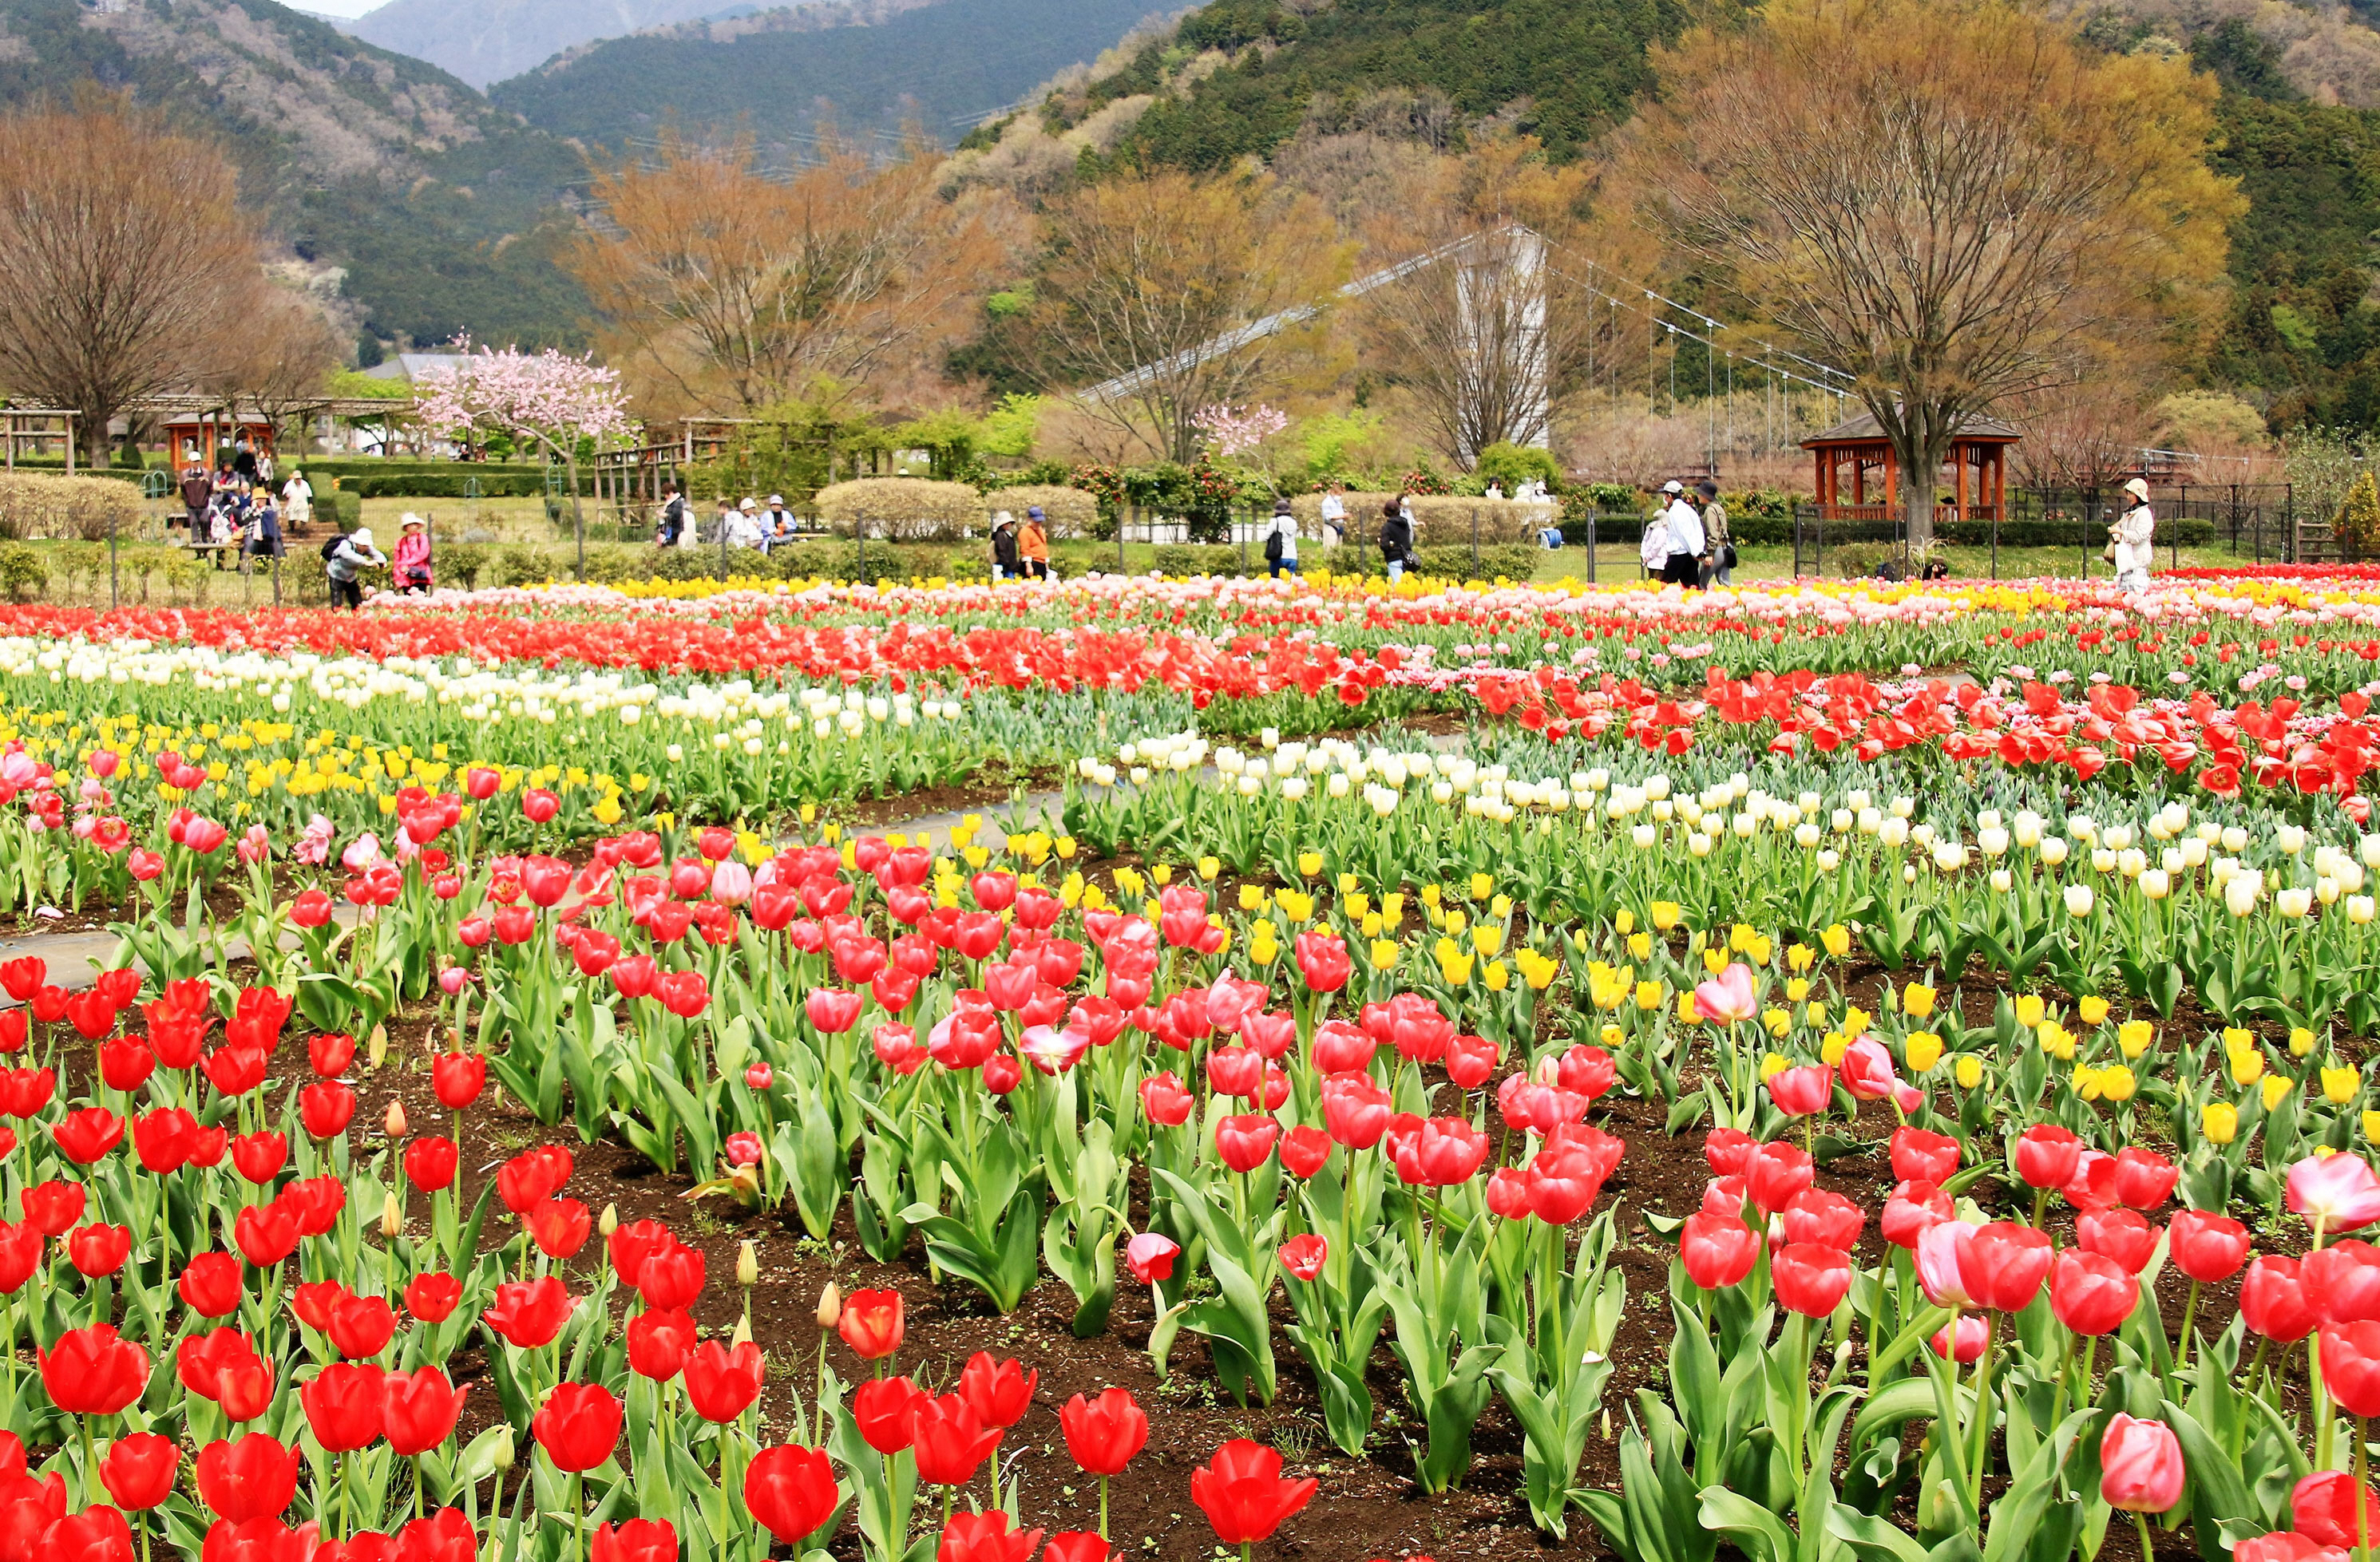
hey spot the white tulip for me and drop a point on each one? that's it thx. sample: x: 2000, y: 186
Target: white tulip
x: 2293, y: 902
x: 2156, y: 884
x: 2053, y: 851
x: 2079, y: 900
x: 2240, y: 893
x: 2002, y: 881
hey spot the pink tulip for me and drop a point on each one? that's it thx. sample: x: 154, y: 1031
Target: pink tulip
x: 1728, y: 998
x: 2338, y: 1192
x: 1800, y: 1092
x: 2141, y: 1465
x: 1867, y: 1071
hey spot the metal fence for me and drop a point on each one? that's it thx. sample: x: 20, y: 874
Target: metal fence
x: 2238, y: 522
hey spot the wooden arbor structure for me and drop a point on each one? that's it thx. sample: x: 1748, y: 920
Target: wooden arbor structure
x: 1977, y: 469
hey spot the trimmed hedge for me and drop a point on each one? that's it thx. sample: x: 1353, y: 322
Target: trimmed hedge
x: 35, y: 504
x: 1506, y: 561
x: 1070, y: 512
x: 1440, y: 521
x: 904, y: 509
x: 1777, y: 531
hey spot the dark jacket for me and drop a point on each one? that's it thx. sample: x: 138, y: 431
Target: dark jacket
x: 1003, y: 548
x: 672, y: 520
x: 196, y: 489
x: 1396, y: 538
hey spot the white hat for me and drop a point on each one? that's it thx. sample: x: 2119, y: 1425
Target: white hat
x: 776, y: 499
x: 410, y: 520
x: 1673, y: 486
x: 749, y: 504
x: 2138, y: 489
x: 361, y: 537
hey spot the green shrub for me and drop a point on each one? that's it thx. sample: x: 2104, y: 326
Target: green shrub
x: 1069, y: 511
x: 34, y: 504
x: 902, y: 509
x: 22, y: 574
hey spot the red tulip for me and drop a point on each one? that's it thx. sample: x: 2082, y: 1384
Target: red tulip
x: 1303, y: 1256
x: 2282, y: 1545
x: 721, y: 1383
x: 29, y: 1508
x: 258, y: 1157
x: 1303, y: 1150
x: 430, y: 1162
x: 1242, y: 1493
x: 559, y: 1227
x: 1810, y: 1279
x: 578, y: 1428
x: 140, y: 1469
x: 329, y: 1053
x: 635, y: 1540
x: 872, y: 1323
x: 1442, y: 1153
x: 126, y: 1063
x: 419, y: 1410
x: 2322, y: 1508
x: 1719, y: 1250
x: 985, y: 1537
x: 660, y: 1339
x: 2116, y: 1234
x: 250, y: 1478
x: 325, y: 1108
x: 52, y: 1207
x: 532, y: 1177
x: 89, y: 1371
x: 948, y: 1441
x: 2003, y: 1266
x: 457, y: 1078
x: 1150, y: 1256
x: 1355, y: 1112
x: 2274, y: 1302
x: 1974, y: 1333
x: 162, y: 1139
x: 1802, y: 1091
x: 1827, y: 1219
x: 432, y: 1297
x: 96, y: 1251
x: 671, y: 1276
x: 210, y: 1285
x: 2140, y: 1465
x: 262, y: 1540
x: 2207, y: 1247
x: 2090, y: 1293
x: 1914, y: 1208
x: 530, y: 1314
x: 2046, y: 1156
x: 790, y: 1491
x: 96, y: 1534
x: 87, y: 1134
x: 2350, y: 1366
x: 885, y: 1411
x: 1245, y: 1143
x: 266, y: 1234
x: 2146, y: 1179
x: 1775, y: 1173
x: 998, y: 1393
x: 1104, y: 1434
x: 362, y: 1325
x: 1920, y: 1157
x: 1322, y: 961
x: 343, y: 1406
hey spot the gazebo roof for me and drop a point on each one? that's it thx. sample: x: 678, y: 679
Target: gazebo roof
x: 1864, y: 430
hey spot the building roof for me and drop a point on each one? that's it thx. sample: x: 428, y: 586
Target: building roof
x: 411, y: 366
x: 1864, y: 430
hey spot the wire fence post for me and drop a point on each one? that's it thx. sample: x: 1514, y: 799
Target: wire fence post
x: 1243, y: 530
x: 1474, y: 542
x: 1119, y: 525
x: 112, y: 599
x: 1590, y: 547
x: 1996, y: 543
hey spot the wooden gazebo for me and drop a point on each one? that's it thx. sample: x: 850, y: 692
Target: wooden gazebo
x: 1977, y: 471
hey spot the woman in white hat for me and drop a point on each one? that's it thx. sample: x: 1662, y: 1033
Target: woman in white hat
x: 344, y: 560
x: 2129, y: 545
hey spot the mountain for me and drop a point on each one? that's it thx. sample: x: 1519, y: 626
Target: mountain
x: 415, y: 207
x: 485, y: 41
x: 777, y: 73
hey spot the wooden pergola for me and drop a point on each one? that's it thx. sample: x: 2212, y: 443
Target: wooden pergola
x: 33, y: 425
x: 1977, y: 471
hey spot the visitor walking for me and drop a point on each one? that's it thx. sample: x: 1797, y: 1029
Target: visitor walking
x: 1684, y: 564
x: 2128, y: 540
x: 1334, y: 518
x: 1719, y: 548
x: 263, y: 539
x: 1033, y: 544
x: 346, y: 560
x: 1281, y: 540
x: 1004, y: 564
x: 672, y: 521
x: 412, y: 564
x: 197, y: 492
x: 297, y: 501
x: 1396, y: 537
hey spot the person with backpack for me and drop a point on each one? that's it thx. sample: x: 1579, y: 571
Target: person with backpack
x: 1719, y: 548
x: 1281, y: 540
x: 263, y: 539
x: 344, y: 559
x: 1396, y: 537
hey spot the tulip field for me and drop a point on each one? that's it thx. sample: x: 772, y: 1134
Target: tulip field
x: 1817, y: 1072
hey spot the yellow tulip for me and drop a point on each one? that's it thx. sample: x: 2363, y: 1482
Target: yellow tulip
x: 1309, y: 864
x: 2133, y: 1037
x: 1482, y: 886
x: 2092, y: 1009
x: 1797, y: 988
x: 1799, y: 957
x: 2236, y: 1038
x: 1625, y: 922
x: 1372, y: 926
x: 1715, y: 960
x: 1922, y: 1049
x: 2338, y: 1085
x: 1739, y: 937
x: 1537, y: 969
x: 2301, y: 1042
x: 2372, y: 1125
x: 1501, y: 908
x: 1488, y: 938
x: 1349, y: 884
x: 1648, y: 995
x: 1431, y: 894
x: 1392, y: 907
x: 2219, y: 1122
x: 2247, y: 1067
x: 1772, y: 1065
x: 1357, y: 905
x: 1814, y: 1013
x: 1384, y: 954
x: 1917, y: 1001
x: 1064, y: 847
x: 1497, y: 977
x: 2116, y: 1083
x: 1665, y: 914
x: 1687, y: 1009
x: 1830, y: 1052
x: 1640, y: 945
x: 1855, y: 1021
x: 2275, y: 1087
x: 2030, y: 1009
x: 1757, y: 951
x: 1969, y: 1071
x: 2086, y: 1084
x: 1778, y: 1022
x: 1837, y: 939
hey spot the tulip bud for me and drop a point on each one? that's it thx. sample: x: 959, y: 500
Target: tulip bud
x: 830, y: 1307
x: 609, y: 1221
x: 376, y: 1048
x: 395, y: 1126
x: 748, y: 1266
x: 392, y: 1215
x: 500, y: 1453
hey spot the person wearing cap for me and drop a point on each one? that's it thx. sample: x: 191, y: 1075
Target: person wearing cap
x: 744, y: 528
x: 1004, y: 561
x: 1683, y: 562
x: 2129, y: 545
x: 1281, y: 540
x: 777, y: 523
x: 297, y: 501
x: 412, y: 560
x: 1719, y: 548
x: 1033, y: 544
x: 348, y: 560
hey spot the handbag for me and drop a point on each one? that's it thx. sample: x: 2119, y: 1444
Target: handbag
x: 2107, y: 554
x: 1726, y: 559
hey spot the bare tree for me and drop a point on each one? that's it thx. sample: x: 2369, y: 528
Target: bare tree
x: 1175, y: 293
x: 2082, y: 435
x: 1477, y: 316
x: 719, y: 283
x: 124, y: 251
x: 280, y: 361
x: 1947, y: 197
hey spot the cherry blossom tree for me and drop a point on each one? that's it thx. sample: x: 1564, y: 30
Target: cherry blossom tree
x: 1234, y: 432
x: 550, y: 399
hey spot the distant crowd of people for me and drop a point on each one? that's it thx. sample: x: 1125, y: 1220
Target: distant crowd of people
x: 745, y: 526
x: 235, y: 509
